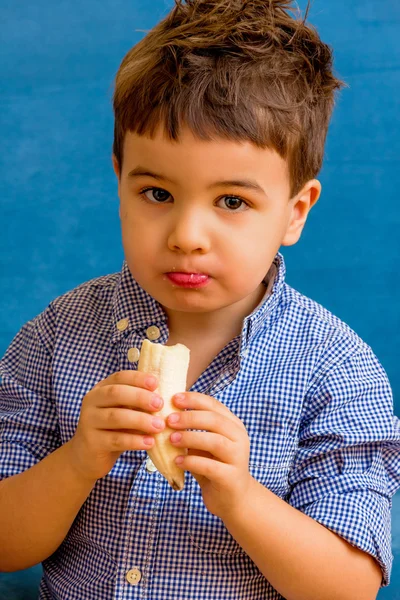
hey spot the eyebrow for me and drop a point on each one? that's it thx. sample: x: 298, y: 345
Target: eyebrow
x: 248, y: 184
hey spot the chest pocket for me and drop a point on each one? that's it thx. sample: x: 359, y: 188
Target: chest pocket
x: 207, y: 532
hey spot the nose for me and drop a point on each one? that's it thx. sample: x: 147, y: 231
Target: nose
x: 189, y: 231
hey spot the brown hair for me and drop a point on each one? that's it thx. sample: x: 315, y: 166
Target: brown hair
x: 244, y: 70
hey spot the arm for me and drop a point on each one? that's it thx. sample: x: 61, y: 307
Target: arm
x: 37, y: 508
x: 40, y: 495
x: 344, y: 474
x: 300, y: 558
x: 338, y: 479
x: 44, y: 483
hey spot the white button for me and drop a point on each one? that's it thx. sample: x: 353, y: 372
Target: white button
x: 122, y: 324
x: 133, y: 576
x: 153, y: 333
x: 133, y: 354
x: 150, y: 466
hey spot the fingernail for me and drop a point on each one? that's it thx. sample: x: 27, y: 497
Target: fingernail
x: 148, y: 440
x: 179, y: 397
x: 150, y: 381
x: 157, y: 423
x: 156, y: 401
x: 174, y: 418
x: 179, y: 460
x: 176, y: 437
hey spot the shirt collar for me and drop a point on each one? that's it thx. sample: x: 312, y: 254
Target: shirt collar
x: 261, y: 315
x: 133, y: 308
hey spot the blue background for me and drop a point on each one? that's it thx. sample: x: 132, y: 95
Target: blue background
x: 58, y: 196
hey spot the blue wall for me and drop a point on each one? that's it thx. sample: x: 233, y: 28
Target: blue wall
x: 58, y: 197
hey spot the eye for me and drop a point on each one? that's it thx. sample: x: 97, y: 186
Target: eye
x: 234, y: 203
x: 156, y: 195
x: 160, y: 196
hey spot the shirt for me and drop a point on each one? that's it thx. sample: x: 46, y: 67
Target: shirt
x: 315, y: 401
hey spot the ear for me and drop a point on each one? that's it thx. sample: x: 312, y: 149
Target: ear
x: 117, y: 172
x: 301, y: 204
x: 116, y: 167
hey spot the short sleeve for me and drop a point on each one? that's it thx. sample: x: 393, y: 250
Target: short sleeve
x: 348, y: 462
x: 28, y: 416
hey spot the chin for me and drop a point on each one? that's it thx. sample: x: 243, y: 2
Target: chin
x: 186, y: 307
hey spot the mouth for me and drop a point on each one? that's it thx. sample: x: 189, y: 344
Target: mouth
x: 189, y: 280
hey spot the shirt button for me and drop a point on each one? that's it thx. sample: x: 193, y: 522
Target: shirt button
x: 122, y: 324
x: 153, y: 333
x: 133, y: 576
x: 150, y: 466
x: 133, y: 355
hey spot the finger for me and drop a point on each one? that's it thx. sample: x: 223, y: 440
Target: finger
x: 134, y: 378
x: 125, y: 419
x: 217, y: 445
x: 197, y: 401
x: 206, y: 420
x: 205, y: 467
x: 126, y: 396
x: 117, y: 441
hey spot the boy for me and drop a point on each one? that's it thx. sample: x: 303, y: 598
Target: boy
x: 221, y: 115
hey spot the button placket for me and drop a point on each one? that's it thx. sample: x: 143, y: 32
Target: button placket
x: 152, y: 533
x: 143, y: 521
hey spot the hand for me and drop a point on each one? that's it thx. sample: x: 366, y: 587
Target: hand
x: 115, y: 417
x: 218, y: 457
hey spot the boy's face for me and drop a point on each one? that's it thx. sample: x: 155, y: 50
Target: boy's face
x: 190, y: 220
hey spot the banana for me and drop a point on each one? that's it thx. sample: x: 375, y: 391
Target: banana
x: 170, y: 365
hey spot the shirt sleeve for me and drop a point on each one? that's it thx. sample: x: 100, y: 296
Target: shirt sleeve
x: 28, y: 417
x: 348, y: 462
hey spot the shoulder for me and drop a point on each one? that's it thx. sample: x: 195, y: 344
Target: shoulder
x: 89, y: 304
x: 316, y: 322
x: 73, y: 318
x: 322, y: 337
x: 94, y: 292
x: 308, y: 311
x: 346, y: 379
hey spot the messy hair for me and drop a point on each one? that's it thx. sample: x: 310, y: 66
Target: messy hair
x: 242, y: 70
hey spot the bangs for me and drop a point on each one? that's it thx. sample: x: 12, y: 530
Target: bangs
x: 207, y: 121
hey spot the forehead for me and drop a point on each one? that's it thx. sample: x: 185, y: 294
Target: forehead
x: 206, y: 160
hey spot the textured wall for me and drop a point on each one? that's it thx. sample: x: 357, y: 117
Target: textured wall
x: 58, y: 197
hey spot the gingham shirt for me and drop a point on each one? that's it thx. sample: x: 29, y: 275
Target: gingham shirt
x: 316, y: 403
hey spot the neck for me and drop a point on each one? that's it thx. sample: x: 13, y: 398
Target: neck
x: 224, y: 323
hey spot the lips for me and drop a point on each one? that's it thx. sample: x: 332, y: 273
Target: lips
x: 188, y: 279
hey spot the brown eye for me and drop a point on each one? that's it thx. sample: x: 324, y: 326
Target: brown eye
x: 156, y: 194
x: 234, y: 203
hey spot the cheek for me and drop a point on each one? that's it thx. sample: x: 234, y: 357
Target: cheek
x: 250, y: 255
x: 248, y: 245
x: 135, y: 236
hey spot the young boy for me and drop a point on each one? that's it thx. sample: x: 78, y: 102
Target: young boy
x: 221, y: 114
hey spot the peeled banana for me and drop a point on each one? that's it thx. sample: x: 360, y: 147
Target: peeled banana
x: 170, y: 365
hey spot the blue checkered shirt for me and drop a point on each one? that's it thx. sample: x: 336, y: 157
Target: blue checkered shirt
x: 315, y: 401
